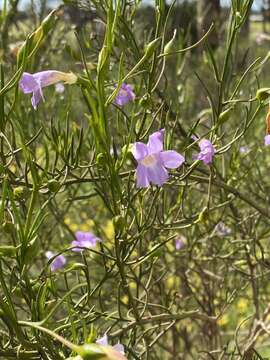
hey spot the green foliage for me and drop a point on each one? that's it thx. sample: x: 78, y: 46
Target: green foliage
x: 68, y: 167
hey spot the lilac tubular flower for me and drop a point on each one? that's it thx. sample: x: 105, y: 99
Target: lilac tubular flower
x: 33, y: 83
x: 153, y: 161
x: 84, y: 240
x: 207, y: 151
x: 104, y: 342
x: 267, y: 140
x: 58, y: 262
x: 125, y: 95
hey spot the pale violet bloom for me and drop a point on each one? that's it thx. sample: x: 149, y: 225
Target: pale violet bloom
x: 33, y: 83
x: 243, y: 149
x: 207, y: 151
x: 124, y: 95
x: 180, y: 242
x: 153, y: 161
x: 267, y: 140
x: 222, y: 230
x: 59, y: 88
x: 84, y: 240
x: 104, y: 342
x: 58, y: 262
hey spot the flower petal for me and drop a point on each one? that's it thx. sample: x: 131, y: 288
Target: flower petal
x: 139, y: 150
x: 267, y: 140
x: 171, y: 159
x: 28, y: 83
x: 207, y: 151
x: 84, y: 236
x: 48, y: 77
x: 58, y: 262
x: 157, y: 174
x: 120, y: 348
x: 83, y: 240
x: 36, y: 97
x: 103, y: 340
x: 141, y: 176
x: 204, y: 144
x: 155, y: 142
x: 125, y: 95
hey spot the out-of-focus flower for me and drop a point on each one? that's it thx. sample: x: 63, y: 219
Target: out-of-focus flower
x: 267, y: 140
x: 15, y: 47
x: 243, y: 149
x: 180, y: 242
x: 59, y: 88
x: 109, y: 229
x: 207, y: 151
x: 58, y: 262
x: 104, y: 342
x: 84, y: 240
x: 242, y: 304
x: 261, y: 37
x: 222, y: 230
x: 125, y: 95
x: 153, y: 161
x: 33, y: 83
x: 223, y: 320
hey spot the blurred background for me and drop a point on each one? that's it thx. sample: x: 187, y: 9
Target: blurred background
x: 194, y: 16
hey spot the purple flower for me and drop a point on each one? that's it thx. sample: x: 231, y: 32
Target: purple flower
x: 153, y: 161
x: 84, y: 240
x: 243, y: 149
x: 104, y: 342
x: 33, y: 83
x: 180, y: 242
x: 59, y: 88
x: 58, y: 262
x: 222, y: 230
x: 267, y: 140
x: 125, y: 95
x: 207, y: 151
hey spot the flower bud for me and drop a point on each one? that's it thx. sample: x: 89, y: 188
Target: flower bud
x: 77, y: 266
x: 169, y: 45
x: 262, y: 94
x: 91, y: 352
x: 224, y: 116
x: 53, y: 185
x: 151, y: 47
x: 19, y: 192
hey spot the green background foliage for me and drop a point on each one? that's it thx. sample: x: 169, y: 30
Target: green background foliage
x: 67, y: 167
